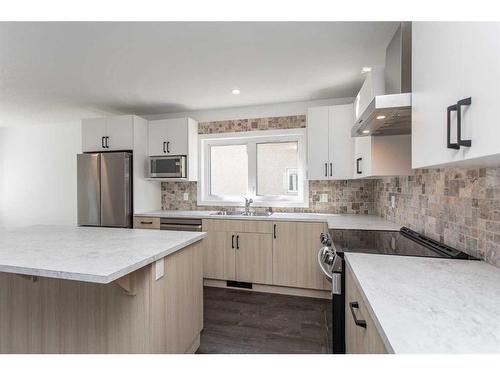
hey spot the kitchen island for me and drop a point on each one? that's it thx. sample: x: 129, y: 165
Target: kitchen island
x: 67, y: 289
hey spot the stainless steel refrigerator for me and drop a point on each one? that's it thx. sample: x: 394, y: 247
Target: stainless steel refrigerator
x: 105, y: 189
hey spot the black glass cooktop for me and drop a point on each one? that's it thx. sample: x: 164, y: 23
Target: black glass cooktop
x: 403, y: 242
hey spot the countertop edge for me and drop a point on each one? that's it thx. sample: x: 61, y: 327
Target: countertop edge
x: 374, y: 317
x: 99, y: 279
x: 379, y: 224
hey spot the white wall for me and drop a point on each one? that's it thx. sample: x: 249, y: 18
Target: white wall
x: 38, y: 174
x: 266, y: 110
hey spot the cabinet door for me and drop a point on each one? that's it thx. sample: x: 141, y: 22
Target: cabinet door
x: 309, y: 274
x: 359, y: 339
x: 341, y: 145
x: 285, y: 255
x: 362, y: 156
x: 481, y: 82
x: 437, y: 71
x: 120, y: 133
x: 157, y: 136
x: 317, y: 143
x: 93, y: 131
x: 214, y: 250
x: 177, y: 136
x: 254, y: 258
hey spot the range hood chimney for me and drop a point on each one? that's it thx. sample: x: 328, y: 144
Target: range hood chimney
x: 383, y: 105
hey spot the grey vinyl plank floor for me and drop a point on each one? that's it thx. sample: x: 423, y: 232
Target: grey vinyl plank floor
x: 240, y: 321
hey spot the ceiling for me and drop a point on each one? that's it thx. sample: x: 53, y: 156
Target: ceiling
x: 51, y: 72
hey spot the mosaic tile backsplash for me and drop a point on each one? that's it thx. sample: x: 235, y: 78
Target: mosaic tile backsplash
x: 344, y: 197
x: 460, y: 207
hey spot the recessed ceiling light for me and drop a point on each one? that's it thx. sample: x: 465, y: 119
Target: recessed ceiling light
x: 381, y: 117
x: 235, y: 91
x: 366, y: 69
x: 365, y: 131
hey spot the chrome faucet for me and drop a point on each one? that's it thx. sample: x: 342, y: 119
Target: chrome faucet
x: 248, y: 202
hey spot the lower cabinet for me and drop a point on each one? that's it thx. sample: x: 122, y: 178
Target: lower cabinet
x: 264, y: 252
x: 361, y: 335
x: 295, y: 249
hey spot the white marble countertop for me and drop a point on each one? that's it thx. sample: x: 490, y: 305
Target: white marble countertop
x: 99, y: 255
x: 335, y: 221
x: 431, y: 305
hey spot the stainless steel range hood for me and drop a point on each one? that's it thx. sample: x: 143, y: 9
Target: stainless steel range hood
x: 388, y: 111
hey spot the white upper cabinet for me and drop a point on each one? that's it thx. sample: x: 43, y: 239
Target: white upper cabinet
x: 329, y: 142
x: 177, y: 136
x: 169, y: 137
x: 379, y: 156
x: 452, y: 62
x: 108, y: 134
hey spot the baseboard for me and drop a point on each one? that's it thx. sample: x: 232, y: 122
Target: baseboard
x: 194, y: 346
x: 263, y: 288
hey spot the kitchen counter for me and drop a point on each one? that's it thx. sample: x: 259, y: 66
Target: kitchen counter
x: 335, y: 221
x: 431, y: 305
x: 98, y: 255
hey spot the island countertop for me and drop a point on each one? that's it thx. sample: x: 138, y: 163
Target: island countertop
x: 430, y: 305
x: 98, y: 255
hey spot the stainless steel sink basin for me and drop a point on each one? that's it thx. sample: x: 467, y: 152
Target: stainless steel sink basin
x: 241, y: 213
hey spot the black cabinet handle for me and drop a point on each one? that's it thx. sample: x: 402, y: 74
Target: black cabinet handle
x: 168, y: 149
x: 358, y: 171
x: 232, y: 241
x: 358, y: 322
x: 107, y: 142
x: 164, y: 151
x: 274, y: 231
x: 146, y: 222
x: 331, y: 169
x: 450, y: 109
x: 460, y: 104
x: 238, y: 241
x: 326, y: 169
x: 102, y: 142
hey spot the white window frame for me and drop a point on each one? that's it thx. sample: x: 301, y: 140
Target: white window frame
x: 251, y: 139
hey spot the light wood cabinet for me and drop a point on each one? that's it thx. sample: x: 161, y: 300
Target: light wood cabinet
x: 142, y: 222
x: 468, y: 67
x: 295, y: 249
x: 361, y: 335
x: 254, y: 258
x: 239, y: 250
x: 330, y: 145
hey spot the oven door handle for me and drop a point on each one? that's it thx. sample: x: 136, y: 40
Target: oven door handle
x: 181, y: 227
x: 327, y: 272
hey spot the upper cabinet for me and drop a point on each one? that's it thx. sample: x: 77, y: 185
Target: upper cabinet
x: 108, y: 134
x: 456, y: 91
x: 177, y: 136
x: 329, y: 144
x: 380, y: 156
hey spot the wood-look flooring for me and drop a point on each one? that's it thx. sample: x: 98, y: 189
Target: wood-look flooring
x: 242, y: 322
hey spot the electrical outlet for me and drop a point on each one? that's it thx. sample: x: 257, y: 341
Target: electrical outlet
x: 185, y: 196
x: 323, y: 198
x: 393, y: 201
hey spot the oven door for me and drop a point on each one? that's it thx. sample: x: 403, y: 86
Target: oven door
x: 167, y: 167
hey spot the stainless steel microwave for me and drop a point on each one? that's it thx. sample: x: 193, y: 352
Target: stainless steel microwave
x: 167, y: 166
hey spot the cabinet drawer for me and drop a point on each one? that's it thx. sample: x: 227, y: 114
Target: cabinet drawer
x: 141, y: 222
x: 242, y: 226
x: 361, y: 338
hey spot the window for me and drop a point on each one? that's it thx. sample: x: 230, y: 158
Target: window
x: 268, y: 166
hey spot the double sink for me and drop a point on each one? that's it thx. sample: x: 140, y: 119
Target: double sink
x: 241, y: 213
